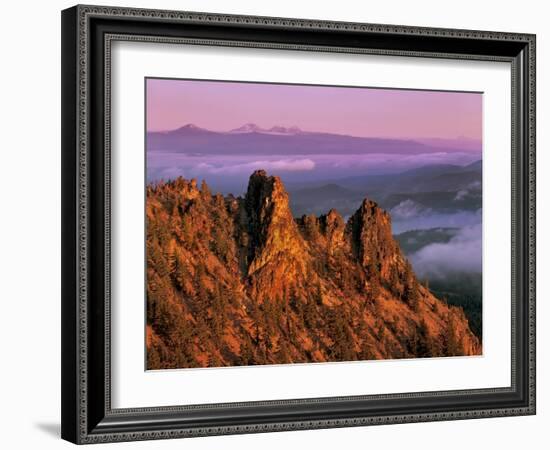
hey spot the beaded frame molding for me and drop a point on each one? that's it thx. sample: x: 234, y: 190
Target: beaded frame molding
x: 87, y: 35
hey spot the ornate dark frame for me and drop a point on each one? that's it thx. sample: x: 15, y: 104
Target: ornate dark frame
x: 87, y: 33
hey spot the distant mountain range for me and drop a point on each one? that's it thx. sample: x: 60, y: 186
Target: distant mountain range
x: 444, y: 177
x: 279, y: 140
x: 444, y: 188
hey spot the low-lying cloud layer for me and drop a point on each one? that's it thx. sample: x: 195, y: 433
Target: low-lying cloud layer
x: 217, y: 168
x: 463, y: 253
x: 280, y: 165
x: 408, y: 221
x: 408, y: 209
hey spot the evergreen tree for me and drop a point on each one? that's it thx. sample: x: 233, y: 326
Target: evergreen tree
x: 219, y: 318
x: 283, y: 355
x: 451, y: 342
x: 342, y: 346
x: 423, y: 341
x: 411, y: 295
x: 247, y: 351
x: 205, y: 191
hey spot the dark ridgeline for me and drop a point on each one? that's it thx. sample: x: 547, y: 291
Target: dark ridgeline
x: 240, y: 281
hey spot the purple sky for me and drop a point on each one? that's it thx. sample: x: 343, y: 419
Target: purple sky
x: 389, y: 113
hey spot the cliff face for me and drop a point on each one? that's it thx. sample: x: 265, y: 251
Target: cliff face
x: 239, y: 281
x: 278, y: 254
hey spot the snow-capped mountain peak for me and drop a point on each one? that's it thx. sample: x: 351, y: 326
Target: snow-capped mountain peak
x: 277, y: 129
x: 248, y: 128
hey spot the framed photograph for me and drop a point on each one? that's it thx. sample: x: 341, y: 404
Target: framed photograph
x: 279, y: 224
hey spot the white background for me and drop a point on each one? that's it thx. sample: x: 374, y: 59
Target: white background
x: 133, y: 387
x: 30, y: 225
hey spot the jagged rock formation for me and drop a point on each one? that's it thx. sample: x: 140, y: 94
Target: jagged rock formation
x: 240, y: 281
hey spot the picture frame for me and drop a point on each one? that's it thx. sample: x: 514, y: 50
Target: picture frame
x: 88, y: 33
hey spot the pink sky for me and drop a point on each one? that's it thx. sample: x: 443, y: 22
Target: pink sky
x: 390, y: 113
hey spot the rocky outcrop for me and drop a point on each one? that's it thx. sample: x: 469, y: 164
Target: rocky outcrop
x: 278, y: 254
x: 373, y: 243
x: 240, y: 281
